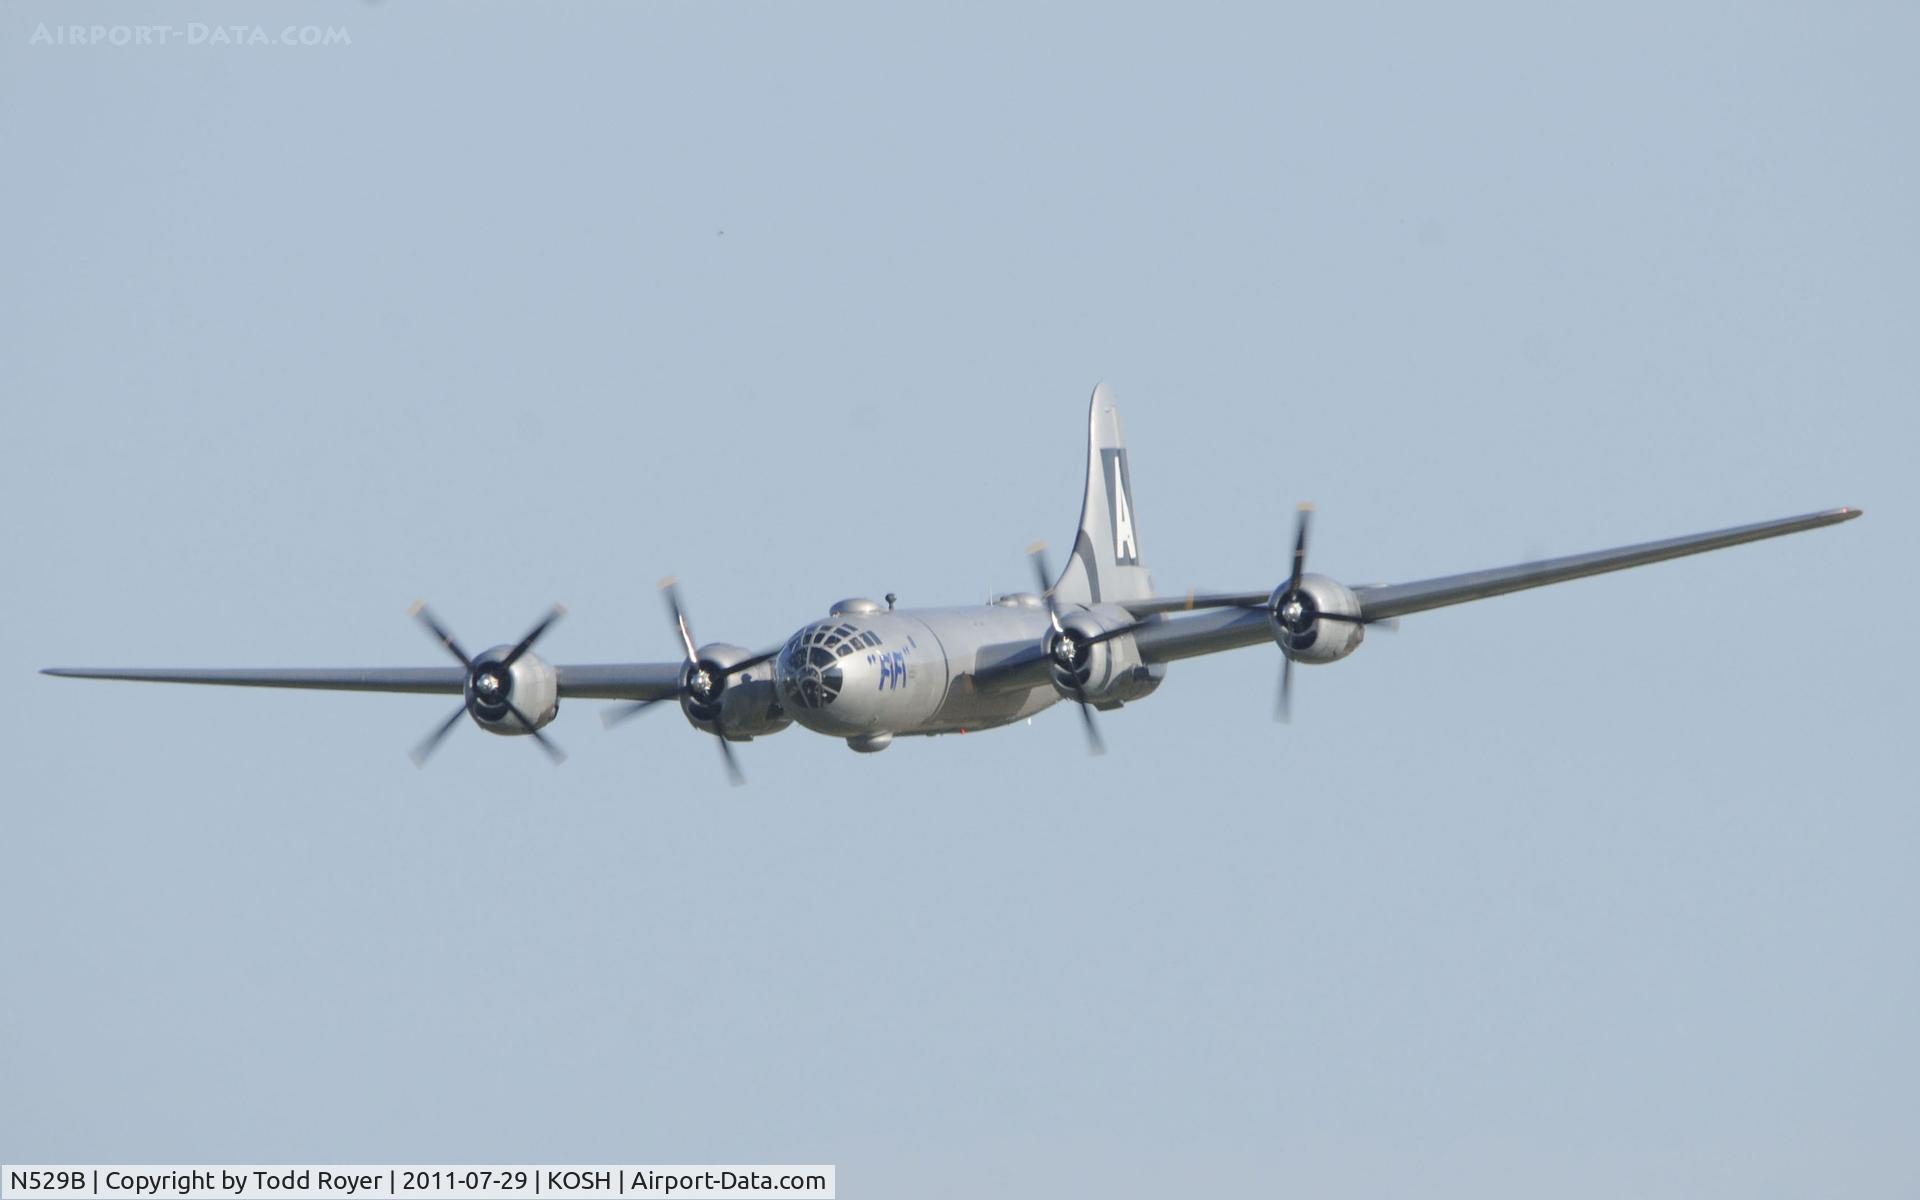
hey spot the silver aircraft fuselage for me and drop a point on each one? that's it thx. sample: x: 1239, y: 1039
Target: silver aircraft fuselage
x: 866, y: 670
x: 1097, y: 633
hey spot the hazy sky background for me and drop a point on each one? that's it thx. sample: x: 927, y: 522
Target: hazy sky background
x: 1603, y: 890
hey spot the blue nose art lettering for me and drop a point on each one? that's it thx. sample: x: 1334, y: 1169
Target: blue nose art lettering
x: 893, y: 669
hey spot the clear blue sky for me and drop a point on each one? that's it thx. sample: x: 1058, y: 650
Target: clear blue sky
x: 1603, y: 890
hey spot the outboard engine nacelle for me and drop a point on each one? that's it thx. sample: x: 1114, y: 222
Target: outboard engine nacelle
x: 508, y: 690
x: 496, y: 688
x: 1299, y: 618
x: 1106, y: 667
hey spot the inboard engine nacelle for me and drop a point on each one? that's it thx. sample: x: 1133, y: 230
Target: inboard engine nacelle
x: 1107, y: 667
x: 746, y: 704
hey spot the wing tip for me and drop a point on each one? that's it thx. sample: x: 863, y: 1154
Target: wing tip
x: 1847, y: 512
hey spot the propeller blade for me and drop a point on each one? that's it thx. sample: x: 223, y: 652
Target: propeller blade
x: 546, y: 743
x: 1389, y: 624
x: 1283, y: 707
x: 670, y: 590
x: 425, y: 616
x: 1299, y: 547
x: 734, y: 775
x: 1107, y: 635
x: 1095, y: 745
x: 614, y: 715
x: 533, y: 635
x: 420, y: 753
x: 755, y: 661
x: 1043, y: 577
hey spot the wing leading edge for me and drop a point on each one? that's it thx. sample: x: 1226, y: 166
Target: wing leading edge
x: 592, y: 681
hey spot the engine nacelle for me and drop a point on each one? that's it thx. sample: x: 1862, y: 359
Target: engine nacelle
x: 1109, y: 672
x: 495, y: 691
x: 1300, y: 624
x: 743, y: 704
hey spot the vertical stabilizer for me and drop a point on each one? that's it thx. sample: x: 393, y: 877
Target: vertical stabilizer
x: 1106, y: 566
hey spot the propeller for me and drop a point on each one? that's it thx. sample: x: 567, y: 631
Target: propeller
x: 702, y: 682
x: 1296, y: 612
x: 489, y: 687
x: 1068, y: 649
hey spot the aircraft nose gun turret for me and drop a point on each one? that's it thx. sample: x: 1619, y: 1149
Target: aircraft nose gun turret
x: 813, y: 666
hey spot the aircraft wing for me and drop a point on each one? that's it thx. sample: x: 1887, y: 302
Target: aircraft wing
x: 1193, y: 601
x: 1399, y: 599
x: 591, y: 681
x: 1240, y: 619
x: 621, y: 681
